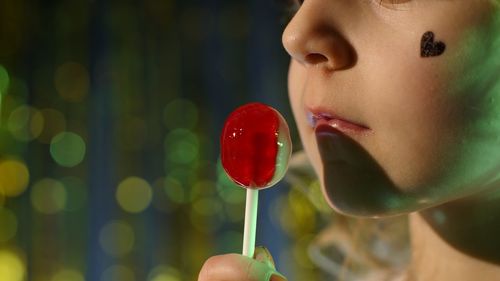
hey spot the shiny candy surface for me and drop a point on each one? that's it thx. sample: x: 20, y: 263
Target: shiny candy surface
x: 255, y: 146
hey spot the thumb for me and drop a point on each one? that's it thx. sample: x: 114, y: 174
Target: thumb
x: 263, y: 255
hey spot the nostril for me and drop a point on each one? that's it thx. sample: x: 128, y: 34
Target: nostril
x: 315, y: 58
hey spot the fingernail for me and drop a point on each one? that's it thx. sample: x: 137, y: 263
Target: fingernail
x: 277, y: 277
x: 262, y: 254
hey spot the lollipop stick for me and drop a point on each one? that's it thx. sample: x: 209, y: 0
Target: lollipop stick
x: 250, y: 222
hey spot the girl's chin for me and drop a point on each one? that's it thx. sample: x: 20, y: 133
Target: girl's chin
x: 366, y: 207
x: 355, y: 184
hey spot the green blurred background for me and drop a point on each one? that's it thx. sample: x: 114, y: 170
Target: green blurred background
x: 110, y: 116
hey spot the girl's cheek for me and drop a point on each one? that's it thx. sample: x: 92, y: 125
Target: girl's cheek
x: 294, y: 90
x: 459, y: 111
x: 297, y: 76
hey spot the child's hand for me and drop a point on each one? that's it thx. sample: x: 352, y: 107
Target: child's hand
x: 234, y: 267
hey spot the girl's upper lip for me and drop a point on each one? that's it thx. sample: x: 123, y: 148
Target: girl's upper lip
x: 314, y: 117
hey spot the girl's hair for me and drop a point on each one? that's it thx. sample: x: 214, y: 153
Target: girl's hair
x: 350, y: 248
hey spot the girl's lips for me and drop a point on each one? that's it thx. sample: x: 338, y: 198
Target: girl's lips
x: 316, y: 119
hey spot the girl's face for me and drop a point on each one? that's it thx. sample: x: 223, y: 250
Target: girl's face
x: 430, y: 125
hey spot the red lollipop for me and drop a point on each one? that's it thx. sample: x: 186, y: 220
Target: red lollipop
x: 255, y: 146
x: 255, y: 149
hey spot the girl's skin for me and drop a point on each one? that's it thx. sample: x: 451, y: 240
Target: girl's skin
x: 431, y: 146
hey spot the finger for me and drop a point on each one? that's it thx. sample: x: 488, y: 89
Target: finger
x: 223, y: 267
x: 233, y: 267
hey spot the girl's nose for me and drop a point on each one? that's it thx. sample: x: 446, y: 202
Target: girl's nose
x: 311, y: 39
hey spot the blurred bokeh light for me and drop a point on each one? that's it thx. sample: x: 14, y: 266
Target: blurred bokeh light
x: 117, y: 238
x: 68, y: 275
x: 12, y: 265
x: 67, y: 149
x: 48, y: 196
x: 15, y: 177
x: 134, y: 194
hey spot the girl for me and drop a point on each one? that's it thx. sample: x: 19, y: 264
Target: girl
x: 396, y: 103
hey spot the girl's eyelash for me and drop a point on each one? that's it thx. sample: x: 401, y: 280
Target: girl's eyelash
x: 391, y: 3
x: 299, y: 2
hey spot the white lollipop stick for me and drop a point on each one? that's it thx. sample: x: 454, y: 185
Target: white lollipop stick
x: 250, y: 222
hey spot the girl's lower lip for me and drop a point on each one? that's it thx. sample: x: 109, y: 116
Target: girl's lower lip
x: 343, y: 126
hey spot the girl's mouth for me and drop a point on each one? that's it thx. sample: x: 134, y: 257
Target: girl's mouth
x: 316, y: 119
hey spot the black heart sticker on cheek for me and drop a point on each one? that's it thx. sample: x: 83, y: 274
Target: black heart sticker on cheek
x: 429, y: 48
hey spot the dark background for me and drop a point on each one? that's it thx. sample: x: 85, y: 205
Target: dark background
x: 109, y: 138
